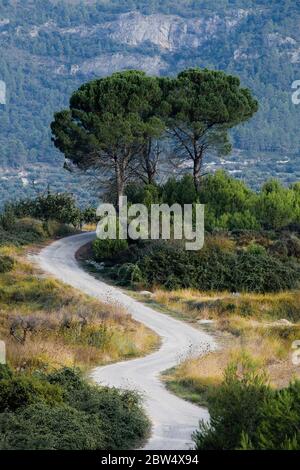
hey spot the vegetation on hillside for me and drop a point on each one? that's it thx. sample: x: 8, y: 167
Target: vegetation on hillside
x: 252, y: 239
x: 250, y: 49
x: 50, y: 330
x: 61, y: 411
x: 245, y: 413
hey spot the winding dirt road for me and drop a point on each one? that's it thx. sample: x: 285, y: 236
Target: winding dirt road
x: 173, y: 419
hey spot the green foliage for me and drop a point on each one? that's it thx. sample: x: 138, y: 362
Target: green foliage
x: 143, y: 194
x: 247, y: 414
x: 287, y: 246
x: 212, y: 268
x: 179, y: 191
x: 231, y: 205
x: 277, y: 206
x: 59, y: 207
x: 20, y: 390
x: 129, y: 274
x: 40, y: 427
x: 7, y: 218
x: 234, y: 406
x: 278, y: 428
x: 103, y: 249
x: 6, y: 263
x: 203, y: 106
x: 89, y: 215
x: 62, y: 411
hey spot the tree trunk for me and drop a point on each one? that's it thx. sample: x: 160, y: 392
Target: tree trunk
x: 120, y: 186
x: 197, y: 171
x: 150, y: 166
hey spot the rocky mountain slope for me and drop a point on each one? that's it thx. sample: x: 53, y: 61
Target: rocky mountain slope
x: 49, y: 48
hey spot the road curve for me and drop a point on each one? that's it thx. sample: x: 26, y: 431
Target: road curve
x: 173, y: 419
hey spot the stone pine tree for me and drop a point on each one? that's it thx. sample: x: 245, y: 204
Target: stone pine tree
x: 203, y: 106
x: 109, y: 124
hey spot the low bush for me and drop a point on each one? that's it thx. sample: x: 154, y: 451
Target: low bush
x: 40, y: 427
x: 21, y: 390
x: 103, y: 249
x: 245, y: 413
x: 62, y: 411
x: 288, y: 246
x: 212, y: 269
x: 6, y: 263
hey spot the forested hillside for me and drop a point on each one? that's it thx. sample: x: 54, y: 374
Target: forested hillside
x: 49, y: 48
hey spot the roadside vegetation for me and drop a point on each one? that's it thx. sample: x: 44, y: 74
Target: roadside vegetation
x: 53, y: 334
x: 246, y: 413
x: 245, y: 279
x: 242, y: 287
x: 262, y: 325
x: 252, y: 239
x: 61, y: 411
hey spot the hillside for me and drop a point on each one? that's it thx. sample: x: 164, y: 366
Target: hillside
x: 49, y: 48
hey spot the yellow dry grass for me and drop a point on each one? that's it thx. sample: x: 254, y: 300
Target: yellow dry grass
x: 69, y: 328
x: 260, y: 325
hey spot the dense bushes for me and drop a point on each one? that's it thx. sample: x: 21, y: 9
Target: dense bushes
x: 62, y: 411
x: 19, y: 227
x: 103, y: 249
x: 48, y: 215
x: 261, y: 231
x: 245, y: 413
x: 40, y: 427
x: 50, y: 206
x: 213, y: 268
x: 229, y: 203
x: 6, y: 263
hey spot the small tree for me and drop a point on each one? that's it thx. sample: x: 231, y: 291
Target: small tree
x: 203, y: 106
x: 50, y: 206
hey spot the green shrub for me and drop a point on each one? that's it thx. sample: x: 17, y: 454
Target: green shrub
x: 53, y: 228
x: 256, y: 249
x: 169, y: 265
x: 62, y: 411
x: 103, y: 249
x: 260, y: 272
x: 120, y: 412
x: 40, y: 427
x: 6, y: 263
x: 129, y: 274
x: 234, y: 407
x: 245, y: 413
x: 8, y: 218
x: 143, y: 194
x: 287, y: 247
x: 19, y: 390
x: 278, y: 428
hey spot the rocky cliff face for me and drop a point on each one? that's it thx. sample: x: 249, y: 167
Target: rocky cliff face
x: 164, y: 33
x: 169, y: 32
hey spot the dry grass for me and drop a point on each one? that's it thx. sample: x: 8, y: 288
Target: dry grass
x: 245, y: 324
x: 89, y: 227
x: 195, y: 305
x: 63, y: 326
